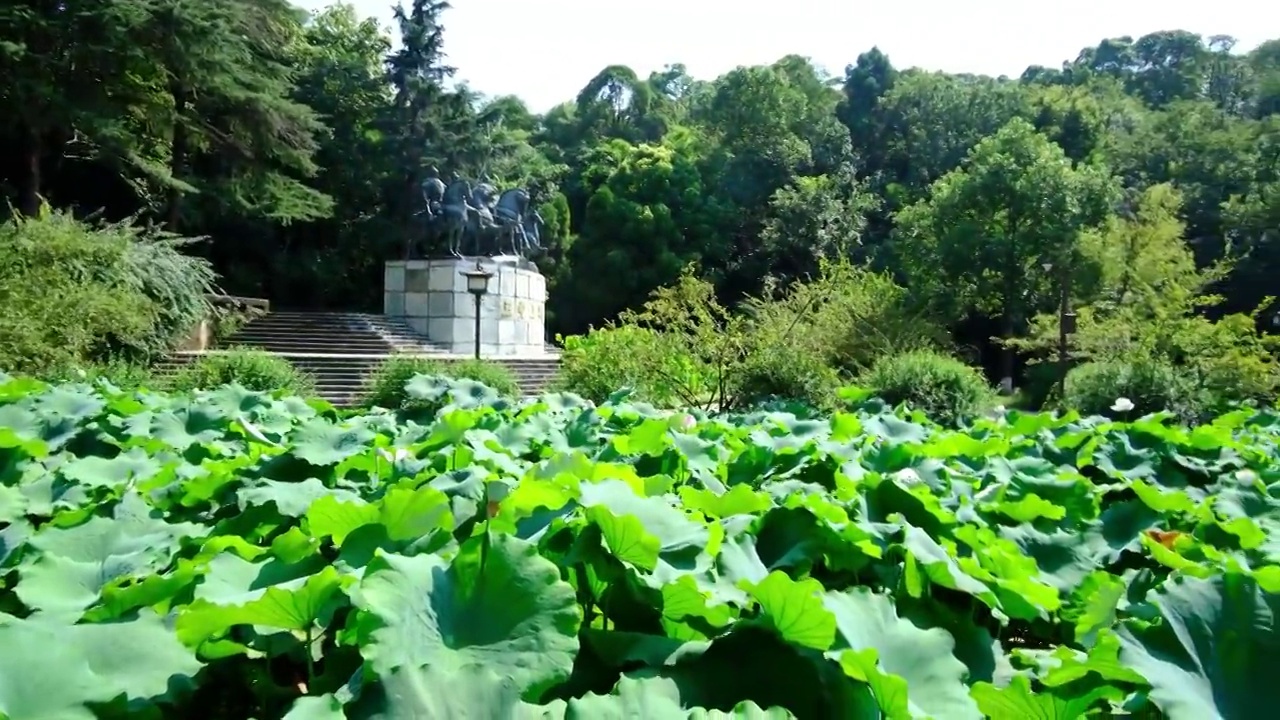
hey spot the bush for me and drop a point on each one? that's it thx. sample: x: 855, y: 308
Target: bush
x: 494, y: 375
x: 1148, y: 300
x: 123, y: 374
x: 947, y: 390
x: 850, y: 316
x: 386, y: 388
x: 1228, y: 362
x: 684, y: 348
x: 252, y: 369
x: 606, y: 360
x: 771, y: 373
x: 1152, y: 386
x: 135, y: 295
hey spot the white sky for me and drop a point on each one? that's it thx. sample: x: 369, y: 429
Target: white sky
x: 546, y: 50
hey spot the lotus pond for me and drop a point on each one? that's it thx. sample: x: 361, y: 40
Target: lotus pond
x: 235, y: 555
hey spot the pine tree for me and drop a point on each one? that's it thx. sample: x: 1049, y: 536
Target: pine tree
x: 431, y: 124
x: 63, y: 84
x: 235, y: 135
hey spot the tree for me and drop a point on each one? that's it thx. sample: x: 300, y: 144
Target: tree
x: 932, y: 120
x: 978, y: 242
x: 429, y: 125
x: 336, y: 261
x: 64, y: 86
x: 649, y: 216
x: 865, y: 83
x: 234, y: 133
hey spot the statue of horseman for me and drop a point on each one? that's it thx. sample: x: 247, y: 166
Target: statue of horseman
x: 479, y: 216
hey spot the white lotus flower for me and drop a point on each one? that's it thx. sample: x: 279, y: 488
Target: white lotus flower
x: 400, y: 454
x: 683, y: 422
x: 1122, y: 405
x: 908, y: 477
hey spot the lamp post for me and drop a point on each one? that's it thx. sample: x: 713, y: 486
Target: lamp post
x: 478, y: 286
x: 1066, y: 322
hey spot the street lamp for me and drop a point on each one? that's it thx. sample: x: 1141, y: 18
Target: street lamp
x: 478, y: 286
x: 1066, y: 323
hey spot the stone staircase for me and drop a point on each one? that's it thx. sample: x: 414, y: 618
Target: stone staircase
x: 342, y: 350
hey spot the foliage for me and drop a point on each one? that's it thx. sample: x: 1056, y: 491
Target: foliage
x: 848, y: 315
x: 941, y: 386
x: 601, y: 362
x: 122, y: 374
x: 227, y: 319
x: 799, y: 344
x: 492, y: 375
x: 1146, y: 300
x: 388, y: 387
x: 276, y: 560
x: 248, y: 368
x: 704, y: 339
x: 783, y: 372
x: 134, y: 295
x: 1150, y: 385
x: 296, y: 143
x: 979, y: 242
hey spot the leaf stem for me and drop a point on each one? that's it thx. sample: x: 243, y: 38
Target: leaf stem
x: 311, y: 663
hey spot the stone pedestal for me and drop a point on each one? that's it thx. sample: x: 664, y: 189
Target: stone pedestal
x: 431, y: 296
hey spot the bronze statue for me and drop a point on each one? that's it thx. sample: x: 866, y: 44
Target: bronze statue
x: 494, y: 223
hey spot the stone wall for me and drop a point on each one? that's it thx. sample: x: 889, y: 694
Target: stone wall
x: 431, y: 296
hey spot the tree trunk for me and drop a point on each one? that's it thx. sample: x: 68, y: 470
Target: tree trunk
x: 410, y: 224
x: 1007, y: 355
x: 178, y: 154
x: 32, y: 152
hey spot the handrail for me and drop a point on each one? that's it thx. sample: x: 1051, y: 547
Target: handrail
x: 238, y: 301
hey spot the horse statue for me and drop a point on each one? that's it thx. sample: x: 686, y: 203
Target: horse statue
x: 455, y: 214
x: 531, y: 232
x: 432, y: 194
x: 483, y: 203
x: 493, y: 222
x: 508, y: 216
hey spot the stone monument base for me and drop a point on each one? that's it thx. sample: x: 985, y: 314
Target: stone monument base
x: 431, y: 297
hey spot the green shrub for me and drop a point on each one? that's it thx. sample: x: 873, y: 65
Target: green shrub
x: 494, y: 375
x: 123, y: 374
x: 683, y: 348
x: 1039, y: 385
x: 786, y: 374
x: 1152, y: 386
x: 386, y: 387
x: 134, y: 295
x: 252, y: 369
x: 850, y: 316
x: 947, y: 390
x: 606, y: 360
x: 177, y: 285
x: 1229, y: 362
x: 227, y: 320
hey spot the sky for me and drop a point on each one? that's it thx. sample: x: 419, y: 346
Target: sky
x: 545, y: 51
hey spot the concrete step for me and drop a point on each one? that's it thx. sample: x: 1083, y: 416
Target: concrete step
x: 341, y: 351
x: 310, y: 348
x: 335, y: 332
x: 341, y: 378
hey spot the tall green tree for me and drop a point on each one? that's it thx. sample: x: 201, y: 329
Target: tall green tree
x: 866, y: 82
x: 978, y: 243
x: 334, y: 262
x: 430, y: 125
x: 236, y: 137
x: 65, y: 84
